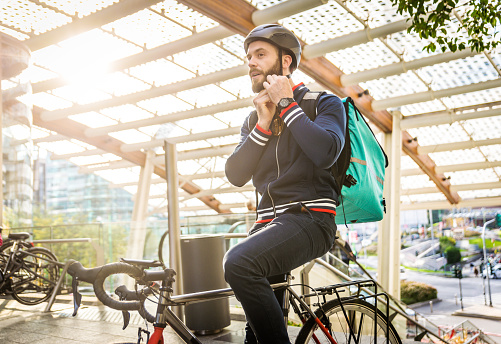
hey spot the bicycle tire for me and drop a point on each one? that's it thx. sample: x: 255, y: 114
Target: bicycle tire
x: 28, y: 288
x: 357, y: 310
x: 161, y: 246
x: 5, y: 251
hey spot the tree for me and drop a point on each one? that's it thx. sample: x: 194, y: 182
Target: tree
x: 478, y: 23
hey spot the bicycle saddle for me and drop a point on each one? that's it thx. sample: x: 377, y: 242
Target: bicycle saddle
x: 19, y: 236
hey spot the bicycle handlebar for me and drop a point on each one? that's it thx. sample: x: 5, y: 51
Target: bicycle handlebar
x: 97, y: 275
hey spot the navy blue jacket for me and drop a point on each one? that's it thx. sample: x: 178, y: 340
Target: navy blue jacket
x: 294, y: 166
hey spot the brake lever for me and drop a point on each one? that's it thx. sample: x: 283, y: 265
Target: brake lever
x: 125, y: 314
x: 77, y: 297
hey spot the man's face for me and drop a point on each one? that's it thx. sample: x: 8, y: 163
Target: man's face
x: 263, y: 61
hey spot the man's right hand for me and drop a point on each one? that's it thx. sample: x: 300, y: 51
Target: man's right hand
x: 265, y: 109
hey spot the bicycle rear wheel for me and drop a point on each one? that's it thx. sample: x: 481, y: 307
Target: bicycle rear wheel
x: 34, y: 282
x: 360, y: 315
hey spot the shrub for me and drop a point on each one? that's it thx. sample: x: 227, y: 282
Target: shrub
x: 412, y: 292
x: 446, y: 242
x: 453, y: 255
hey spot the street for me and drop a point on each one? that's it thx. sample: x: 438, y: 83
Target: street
x: 448, y: 291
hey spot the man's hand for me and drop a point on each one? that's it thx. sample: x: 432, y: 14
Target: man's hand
x: 265, y: 109
x: 278, y: 87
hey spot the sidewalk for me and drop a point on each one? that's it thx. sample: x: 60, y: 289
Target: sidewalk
x: 481, y: 311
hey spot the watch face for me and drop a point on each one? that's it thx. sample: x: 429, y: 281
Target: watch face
x: 284, y: 102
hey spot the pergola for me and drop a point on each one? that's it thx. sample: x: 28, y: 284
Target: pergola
x: 112, y: 81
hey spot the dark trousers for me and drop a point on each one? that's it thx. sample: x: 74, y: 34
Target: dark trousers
x: 290, y: 240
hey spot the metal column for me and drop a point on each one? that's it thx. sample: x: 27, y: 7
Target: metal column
x: 137, y: 236
x: 173, y: 214
x: 383, y: 276
x: 394, y: 235
x: 1, y: 137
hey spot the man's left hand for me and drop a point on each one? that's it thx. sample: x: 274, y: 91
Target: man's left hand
x: 278, y: 87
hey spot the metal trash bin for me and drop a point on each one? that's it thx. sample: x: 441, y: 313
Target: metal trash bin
x: 202, y: 266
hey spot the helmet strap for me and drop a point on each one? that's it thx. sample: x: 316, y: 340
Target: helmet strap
x: 280, y: 59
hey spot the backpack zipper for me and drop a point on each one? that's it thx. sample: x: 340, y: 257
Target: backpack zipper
x: 278, y: 175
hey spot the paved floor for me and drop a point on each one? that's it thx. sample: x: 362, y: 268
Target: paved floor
x: 93, y: 324
x: 99, y: 324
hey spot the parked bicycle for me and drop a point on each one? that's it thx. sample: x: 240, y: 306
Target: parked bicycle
x: 341, y: 320
x: 28, y: 273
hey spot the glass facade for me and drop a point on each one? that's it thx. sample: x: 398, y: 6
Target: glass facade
x: 62, y: 190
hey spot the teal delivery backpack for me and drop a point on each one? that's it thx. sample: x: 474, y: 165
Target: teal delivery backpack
x: 360, y: 169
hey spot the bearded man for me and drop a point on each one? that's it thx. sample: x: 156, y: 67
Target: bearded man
x: 288, y: 157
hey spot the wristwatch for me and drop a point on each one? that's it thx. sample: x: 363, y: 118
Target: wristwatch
x: 284, y: 103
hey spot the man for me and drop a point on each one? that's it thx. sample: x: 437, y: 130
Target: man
x: 288, y: 158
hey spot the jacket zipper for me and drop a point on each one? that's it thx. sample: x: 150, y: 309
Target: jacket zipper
x: 278, y: 175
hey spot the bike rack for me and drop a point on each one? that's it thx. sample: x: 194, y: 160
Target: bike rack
x: 58, y: 285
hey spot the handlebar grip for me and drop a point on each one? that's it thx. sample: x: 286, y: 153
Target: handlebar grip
x: 108, y: 270
x: 125, y: 294
x: 140, y: 295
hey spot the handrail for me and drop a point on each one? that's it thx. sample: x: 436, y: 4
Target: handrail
x: 99, y: 250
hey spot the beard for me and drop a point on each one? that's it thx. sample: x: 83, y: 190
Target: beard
x: 257, y: 86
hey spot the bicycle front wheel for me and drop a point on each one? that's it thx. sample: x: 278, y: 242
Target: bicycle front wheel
x: 359, y: 317
x: 34, y: 282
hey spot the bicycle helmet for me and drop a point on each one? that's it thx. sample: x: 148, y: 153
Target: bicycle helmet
x: 279, y: 36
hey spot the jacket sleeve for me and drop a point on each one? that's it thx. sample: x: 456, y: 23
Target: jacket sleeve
x: 323, y: 139
x: 242, y: 163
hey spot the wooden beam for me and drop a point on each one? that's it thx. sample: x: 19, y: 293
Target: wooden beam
x: 237, y: 16
x: 70, y: 128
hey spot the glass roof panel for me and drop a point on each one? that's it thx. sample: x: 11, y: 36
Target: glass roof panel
x: 91, y: 160
x: 423, y: 107
x: 321, y: 23
x: 456, y: 73
x: 427, y: 198
x: 92, y: 119
x: 417, y: 182
x: 126, y: 113
x: 161, y: 72
x: 30, y: 17
x: 182, y: 14
x: 474, y: 98
x: 36, y: 74
x: 206, y: 59
x: 165, y: 104
x: 394, y: 86
x: 80, y: 7
x: 80, y: 94
x: 406, y: 162
x: 492, y: 153
x: 61, y: 147
x: 14, y: 33
x: 130, y: 136
x: 206, y: 95
x: 50, y: 102
x: 438, y: 134
x: 148, y: 29
x: 120, y: 84
x: 483, y: 128
x: 479, y: 193
x: 472, y: 177
x: 234, y: 118
x: 362, y: 57
x: 458, y: 157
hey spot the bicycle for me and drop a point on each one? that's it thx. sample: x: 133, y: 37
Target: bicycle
x: 341, y: 320
x: 27, y: 273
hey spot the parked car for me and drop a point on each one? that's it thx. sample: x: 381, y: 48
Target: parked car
x: 494, y: 273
